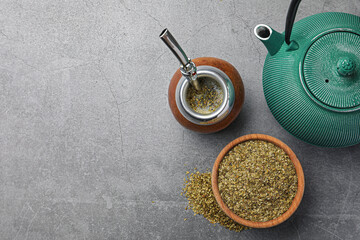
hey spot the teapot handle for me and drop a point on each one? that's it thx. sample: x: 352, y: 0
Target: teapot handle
x: 290, y: 18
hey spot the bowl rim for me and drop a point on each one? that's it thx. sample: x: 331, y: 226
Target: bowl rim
x: 299, y: 172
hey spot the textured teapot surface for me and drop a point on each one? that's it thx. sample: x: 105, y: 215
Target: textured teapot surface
x: 312, y: 85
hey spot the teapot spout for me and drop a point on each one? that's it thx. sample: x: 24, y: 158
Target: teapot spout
x: 271, y: 38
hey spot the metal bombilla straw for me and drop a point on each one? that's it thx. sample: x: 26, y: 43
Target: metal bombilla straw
x: 187, y: 68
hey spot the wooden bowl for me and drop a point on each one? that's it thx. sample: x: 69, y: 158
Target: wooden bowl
x: 236, y: 80
x: 299, y: 172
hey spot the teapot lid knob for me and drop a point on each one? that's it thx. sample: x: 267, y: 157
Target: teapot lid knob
x: 346, y: 66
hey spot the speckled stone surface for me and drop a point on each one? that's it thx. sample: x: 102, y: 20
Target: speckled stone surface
x: 88, y: 146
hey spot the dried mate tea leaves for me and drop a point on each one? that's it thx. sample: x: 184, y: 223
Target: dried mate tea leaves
x: 257, y: 180
x: 207, y: 99
x: 202, y: 201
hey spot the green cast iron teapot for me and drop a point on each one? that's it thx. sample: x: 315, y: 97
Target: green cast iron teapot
x: 311, y: 77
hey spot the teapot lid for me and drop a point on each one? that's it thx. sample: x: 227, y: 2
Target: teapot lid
x: 331, y: 71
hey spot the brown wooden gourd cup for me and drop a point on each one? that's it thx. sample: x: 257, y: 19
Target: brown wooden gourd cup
x: 236, y: 80
x: 299, y: 172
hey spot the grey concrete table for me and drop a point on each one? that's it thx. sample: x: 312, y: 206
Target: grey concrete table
x: 88, y: 146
